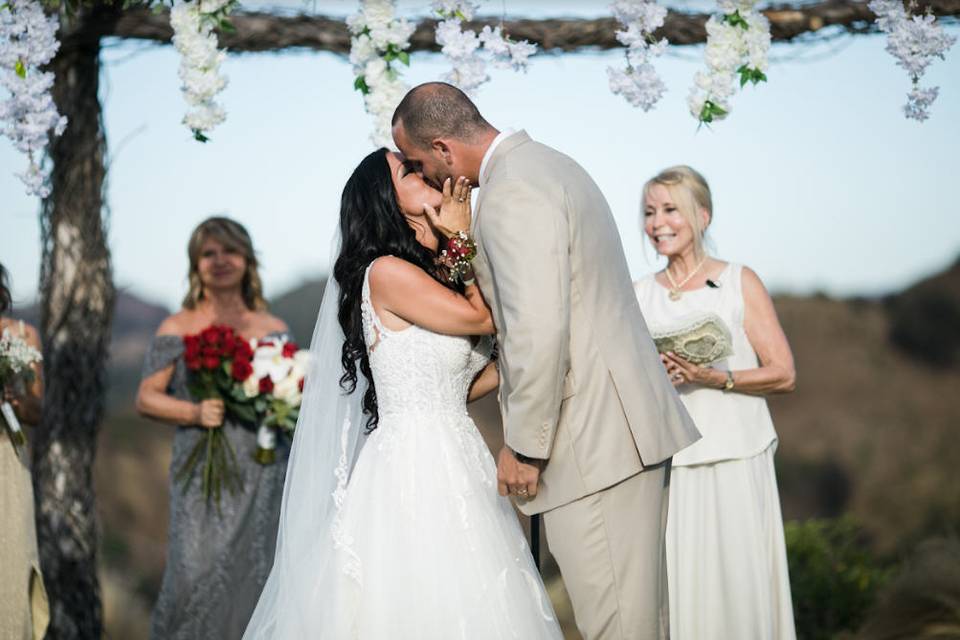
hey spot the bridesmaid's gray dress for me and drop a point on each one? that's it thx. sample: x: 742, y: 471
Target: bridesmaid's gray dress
x: 217, y: 564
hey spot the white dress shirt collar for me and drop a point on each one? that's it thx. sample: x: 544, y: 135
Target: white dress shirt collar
x: 503, y: 135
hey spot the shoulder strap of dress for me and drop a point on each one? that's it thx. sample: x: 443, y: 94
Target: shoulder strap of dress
x: 373, y: 328
x: 734, y: 278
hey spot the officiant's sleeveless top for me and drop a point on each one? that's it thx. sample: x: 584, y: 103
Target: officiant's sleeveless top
x: 734, y: 425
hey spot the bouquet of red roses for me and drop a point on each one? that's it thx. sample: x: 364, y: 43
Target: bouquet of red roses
x: 218, y: 363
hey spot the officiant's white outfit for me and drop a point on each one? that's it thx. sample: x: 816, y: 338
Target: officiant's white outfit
x: 581, y: 386
x: 726, y: 557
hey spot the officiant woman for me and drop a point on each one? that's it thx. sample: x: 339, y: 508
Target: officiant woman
x: 726, y: 557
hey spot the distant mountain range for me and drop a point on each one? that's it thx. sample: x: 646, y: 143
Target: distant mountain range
x: 924, y: 324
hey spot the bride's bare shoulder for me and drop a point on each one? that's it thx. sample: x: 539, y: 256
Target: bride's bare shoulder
x: 391, y: 271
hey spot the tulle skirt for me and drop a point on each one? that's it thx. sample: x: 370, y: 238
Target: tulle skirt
x: 726, y: 556
x: 426, y: 548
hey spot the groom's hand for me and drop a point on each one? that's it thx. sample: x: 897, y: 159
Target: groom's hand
x: 516, y: 478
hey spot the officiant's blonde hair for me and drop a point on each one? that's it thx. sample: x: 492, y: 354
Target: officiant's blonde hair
x: 690, y: 192
x: 232, y: 234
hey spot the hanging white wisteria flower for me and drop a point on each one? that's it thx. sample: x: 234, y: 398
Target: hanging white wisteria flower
x: 28, y: 41
x: 200, y: 59
x: 469, y: 52
x: 914, y: 41
x: 379, y: 41
x: 639, y: 83
x: 738, y: 42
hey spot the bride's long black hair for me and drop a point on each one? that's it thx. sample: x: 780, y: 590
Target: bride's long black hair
x: 371, y: 225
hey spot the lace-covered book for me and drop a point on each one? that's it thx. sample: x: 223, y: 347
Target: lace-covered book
x: 701, y: 339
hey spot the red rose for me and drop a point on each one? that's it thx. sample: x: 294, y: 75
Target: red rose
x: 289, y: 349
x: 210, y: 351
x: 191, y: 347
x: 241, y: 369
x: 242, y: 349
x: 266, y: 384
x: 210, y: 336
x: 193, y: 363
x: 211, y: 362
x: 229, y: 347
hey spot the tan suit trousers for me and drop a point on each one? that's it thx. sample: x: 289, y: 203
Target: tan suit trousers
x: 609, y: 546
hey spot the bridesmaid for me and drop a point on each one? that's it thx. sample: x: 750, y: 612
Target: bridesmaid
x: 217, y: 563
x: 726, y: 556
x: 24, y: 612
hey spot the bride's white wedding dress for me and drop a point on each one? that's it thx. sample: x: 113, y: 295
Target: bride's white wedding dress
x: 423, y: 546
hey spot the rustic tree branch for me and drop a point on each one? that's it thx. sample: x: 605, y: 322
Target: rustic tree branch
x: 78, y: 296
x: 267, y: 32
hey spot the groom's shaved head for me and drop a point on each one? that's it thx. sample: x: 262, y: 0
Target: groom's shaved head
x: 438, y: 110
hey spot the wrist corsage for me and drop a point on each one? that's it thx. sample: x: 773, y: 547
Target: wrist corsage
x: 460, y: 251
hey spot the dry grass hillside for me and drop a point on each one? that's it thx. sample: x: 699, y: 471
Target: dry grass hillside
x: 871, y: 431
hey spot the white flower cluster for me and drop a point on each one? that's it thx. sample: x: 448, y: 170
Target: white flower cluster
x: 914, y: 41
x: 286, y: 371
x: 200, y: 59
x: 738, y: 42
x: 469, y: 52
x: 380, y: 39
x: 28, y: 41
x: 639, y: 83
x: 16, y: 357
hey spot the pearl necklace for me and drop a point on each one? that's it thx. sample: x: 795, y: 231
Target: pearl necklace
x: 675, y: 293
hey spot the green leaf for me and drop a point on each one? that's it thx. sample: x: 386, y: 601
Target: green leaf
x: 390, y: 56
x: 404, y: 57
x: 360, y: 84
x: 226, y: 26
x: 244, y: 412
x: 199, y: 137
x: 736, y: 20
x: 711, y: 111
x: 21, y: 69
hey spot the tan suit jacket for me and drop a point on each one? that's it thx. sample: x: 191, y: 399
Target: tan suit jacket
x: 581, y: 382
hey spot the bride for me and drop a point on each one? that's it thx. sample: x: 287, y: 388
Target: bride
x: 391, y: 525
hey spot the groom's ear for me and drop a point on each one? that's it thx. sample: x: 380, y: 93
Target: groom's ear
x: 442, y: 149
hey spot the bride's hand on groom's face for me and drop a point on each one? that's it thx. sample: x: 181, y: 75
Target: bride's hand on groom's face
x: 455, y: 210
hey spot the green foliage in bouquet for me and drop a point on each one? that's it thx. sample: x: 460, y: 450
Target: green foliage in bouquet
x: 218, y: 361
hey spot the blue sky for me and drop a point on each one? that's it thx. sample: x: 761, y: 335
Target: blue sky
x: 820, y: 183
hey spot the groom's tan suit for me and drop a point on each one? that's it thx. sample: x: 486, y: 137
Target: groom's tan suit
x: 581, y: 384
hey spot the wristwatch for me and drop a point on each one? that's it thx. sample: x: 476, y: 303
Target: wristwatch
x: 728, y: 385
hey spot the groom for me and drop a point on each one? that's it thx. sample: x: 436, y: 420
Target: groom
x: 590, y: 419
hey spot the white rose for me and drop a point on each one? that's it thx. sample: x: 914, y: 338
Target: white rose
x: 251, y: 386
x: 288, y: 390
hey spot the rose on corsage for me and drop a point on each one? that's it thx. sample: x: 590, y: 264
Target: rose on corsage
x: 460, y: 251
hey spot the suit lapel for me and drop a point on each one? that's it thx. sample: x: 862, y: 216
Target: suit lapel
x: 506, y: 146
